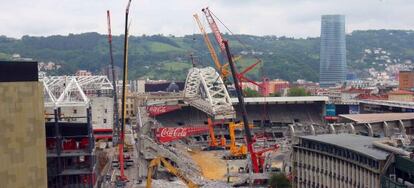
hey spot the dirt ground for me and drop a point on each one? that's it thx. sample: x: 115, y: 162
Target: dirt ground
x: 212, y: 166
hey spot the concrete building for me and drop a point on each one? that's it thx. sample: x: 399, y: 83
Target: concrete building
x: 102, y: 112
x: 83, y: 73
x: 337, y: 160
x: 333, y: 50
x: 22, y: 135
x: 406, y: 80
x: 401, y: 95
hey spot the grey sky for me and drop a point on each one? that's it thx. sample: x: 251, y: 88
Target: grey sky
x: 295, y: 18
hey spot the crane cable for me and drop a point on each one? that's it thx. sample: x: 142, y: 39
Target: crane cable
x: 265, y: 113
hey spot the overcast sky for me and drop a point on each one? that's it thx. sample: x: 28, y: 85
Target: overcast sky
x: 293, y: 18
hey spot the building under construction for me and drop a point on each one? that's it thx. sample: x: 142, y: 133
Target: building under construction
x: 70, y: 151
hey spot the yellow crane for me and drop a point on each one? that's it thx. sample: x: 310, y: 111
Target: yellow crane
x: 157, y: 161
x: 224, y: 72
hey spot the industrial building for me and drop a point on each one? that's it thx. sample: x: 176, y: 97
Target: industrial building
x: 22, y: 135
x: 333, y: 50
x: 337, y: 160
x: 406, y: 80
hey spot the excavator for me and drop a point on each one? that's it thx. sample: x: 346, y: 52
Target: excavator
x: 157, y: 161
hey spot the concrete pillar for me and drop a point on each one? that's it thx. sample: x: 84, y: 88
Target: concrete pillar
x: 386, y: 129
x: 352, y: 128
x: 370, y: 131
x: 402, y: 127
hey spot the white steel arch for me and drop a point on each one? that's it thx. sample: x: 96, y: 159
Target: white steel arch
x: 205, y: 90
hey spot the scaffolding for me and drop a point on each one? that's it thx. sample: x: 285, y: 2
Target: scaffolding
x: 70, y: 152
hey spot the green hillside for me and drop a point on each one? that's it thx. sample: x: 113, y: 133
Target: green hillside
x: 168, y: 57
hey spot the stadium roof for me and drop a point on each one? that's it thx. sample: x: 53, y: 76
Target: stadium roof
x: 282, y: 100
x: 357, y: 143
x: 380, y: 117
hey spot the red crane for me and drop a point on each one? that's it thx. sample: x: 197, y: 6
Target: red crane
x: 114, y: 91
x: 219, y: 38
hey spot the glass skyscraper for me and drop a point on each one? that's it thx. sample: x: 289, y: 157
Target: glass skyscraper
x: 333, y: 50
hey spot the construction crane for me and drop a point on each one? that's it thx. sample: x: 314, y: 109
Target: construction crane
x: 114, y: 91
x: 219, y: 38
x: 242, y: 106
x: 157, y: 161
x: 215, y: 30
x: 124, y: 90
x: 222, y: 69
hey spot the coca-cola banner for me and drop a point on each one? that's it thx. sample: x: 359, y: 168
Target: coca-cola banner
x: 168, y: 134
x: 158, y: 110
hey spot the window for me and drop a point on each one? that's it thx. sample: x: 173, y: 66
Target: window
x: 75, y: 111
x: 104, y: 120
x: 106, y: 110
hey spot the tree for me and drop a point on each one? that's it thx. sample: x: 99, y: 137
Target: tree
x: 279, y: 181
x: 251, y: 93
x: 277, y: 94
x: 298, y: 91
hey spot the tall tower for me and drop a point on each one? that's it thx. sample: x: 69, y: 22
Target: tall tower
x: 333, y: 50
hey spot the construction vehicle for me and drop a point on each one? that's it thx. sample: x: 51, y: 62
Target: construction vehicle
x: 261, y: 158
x: 156, y: 162
x: 236, y: 152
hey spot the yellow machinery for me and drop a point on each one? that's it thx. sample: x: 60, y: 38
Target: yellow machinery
x: 156, y: 162
x: 224, y: 72
x: 213, y: 144
x: 236, y: 152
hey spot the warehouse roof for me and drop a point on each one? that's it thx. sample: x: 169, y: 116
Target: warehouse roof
x: 380, y: 117
x: 357, y: 143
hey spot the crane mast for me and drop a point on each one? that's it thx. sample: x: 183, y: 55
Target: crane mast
x: 242, y: 106
x: 114, y: 91
x: 224, y: 72
x: 124, y: 91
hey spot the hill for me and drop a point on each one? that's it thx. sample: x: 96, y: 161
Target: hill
x: 168, y: 57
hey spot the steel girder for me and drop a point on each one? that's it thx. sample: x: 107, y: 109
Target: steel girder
x: 70, y: 90
x: 205, y: 90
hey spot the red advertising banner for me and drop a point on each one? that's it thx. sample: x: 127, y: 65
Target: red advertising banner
x: 158, y: 110
x: 169, y: 134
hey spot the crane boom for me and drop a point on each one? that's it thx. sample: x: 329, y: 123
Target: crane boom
x: 215, y: 30
x: 243, y: 108
x: 224, y: 72
x: 114, y: 91
x: 155, y: 162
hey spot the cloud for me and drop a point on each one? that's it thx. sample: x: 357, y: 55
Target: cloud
x: 298, y: 18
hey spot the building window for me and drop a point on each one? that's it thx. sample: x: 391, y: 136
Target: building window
x: 75, y: 111
x: 106, y: 110
x: 104, y: 120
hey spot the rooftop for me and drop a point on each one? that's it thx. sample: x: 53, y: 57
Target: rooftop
x: 401, y: 92
x: 380, y: 117
x: 282, y: 100
x: 357, y: 143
